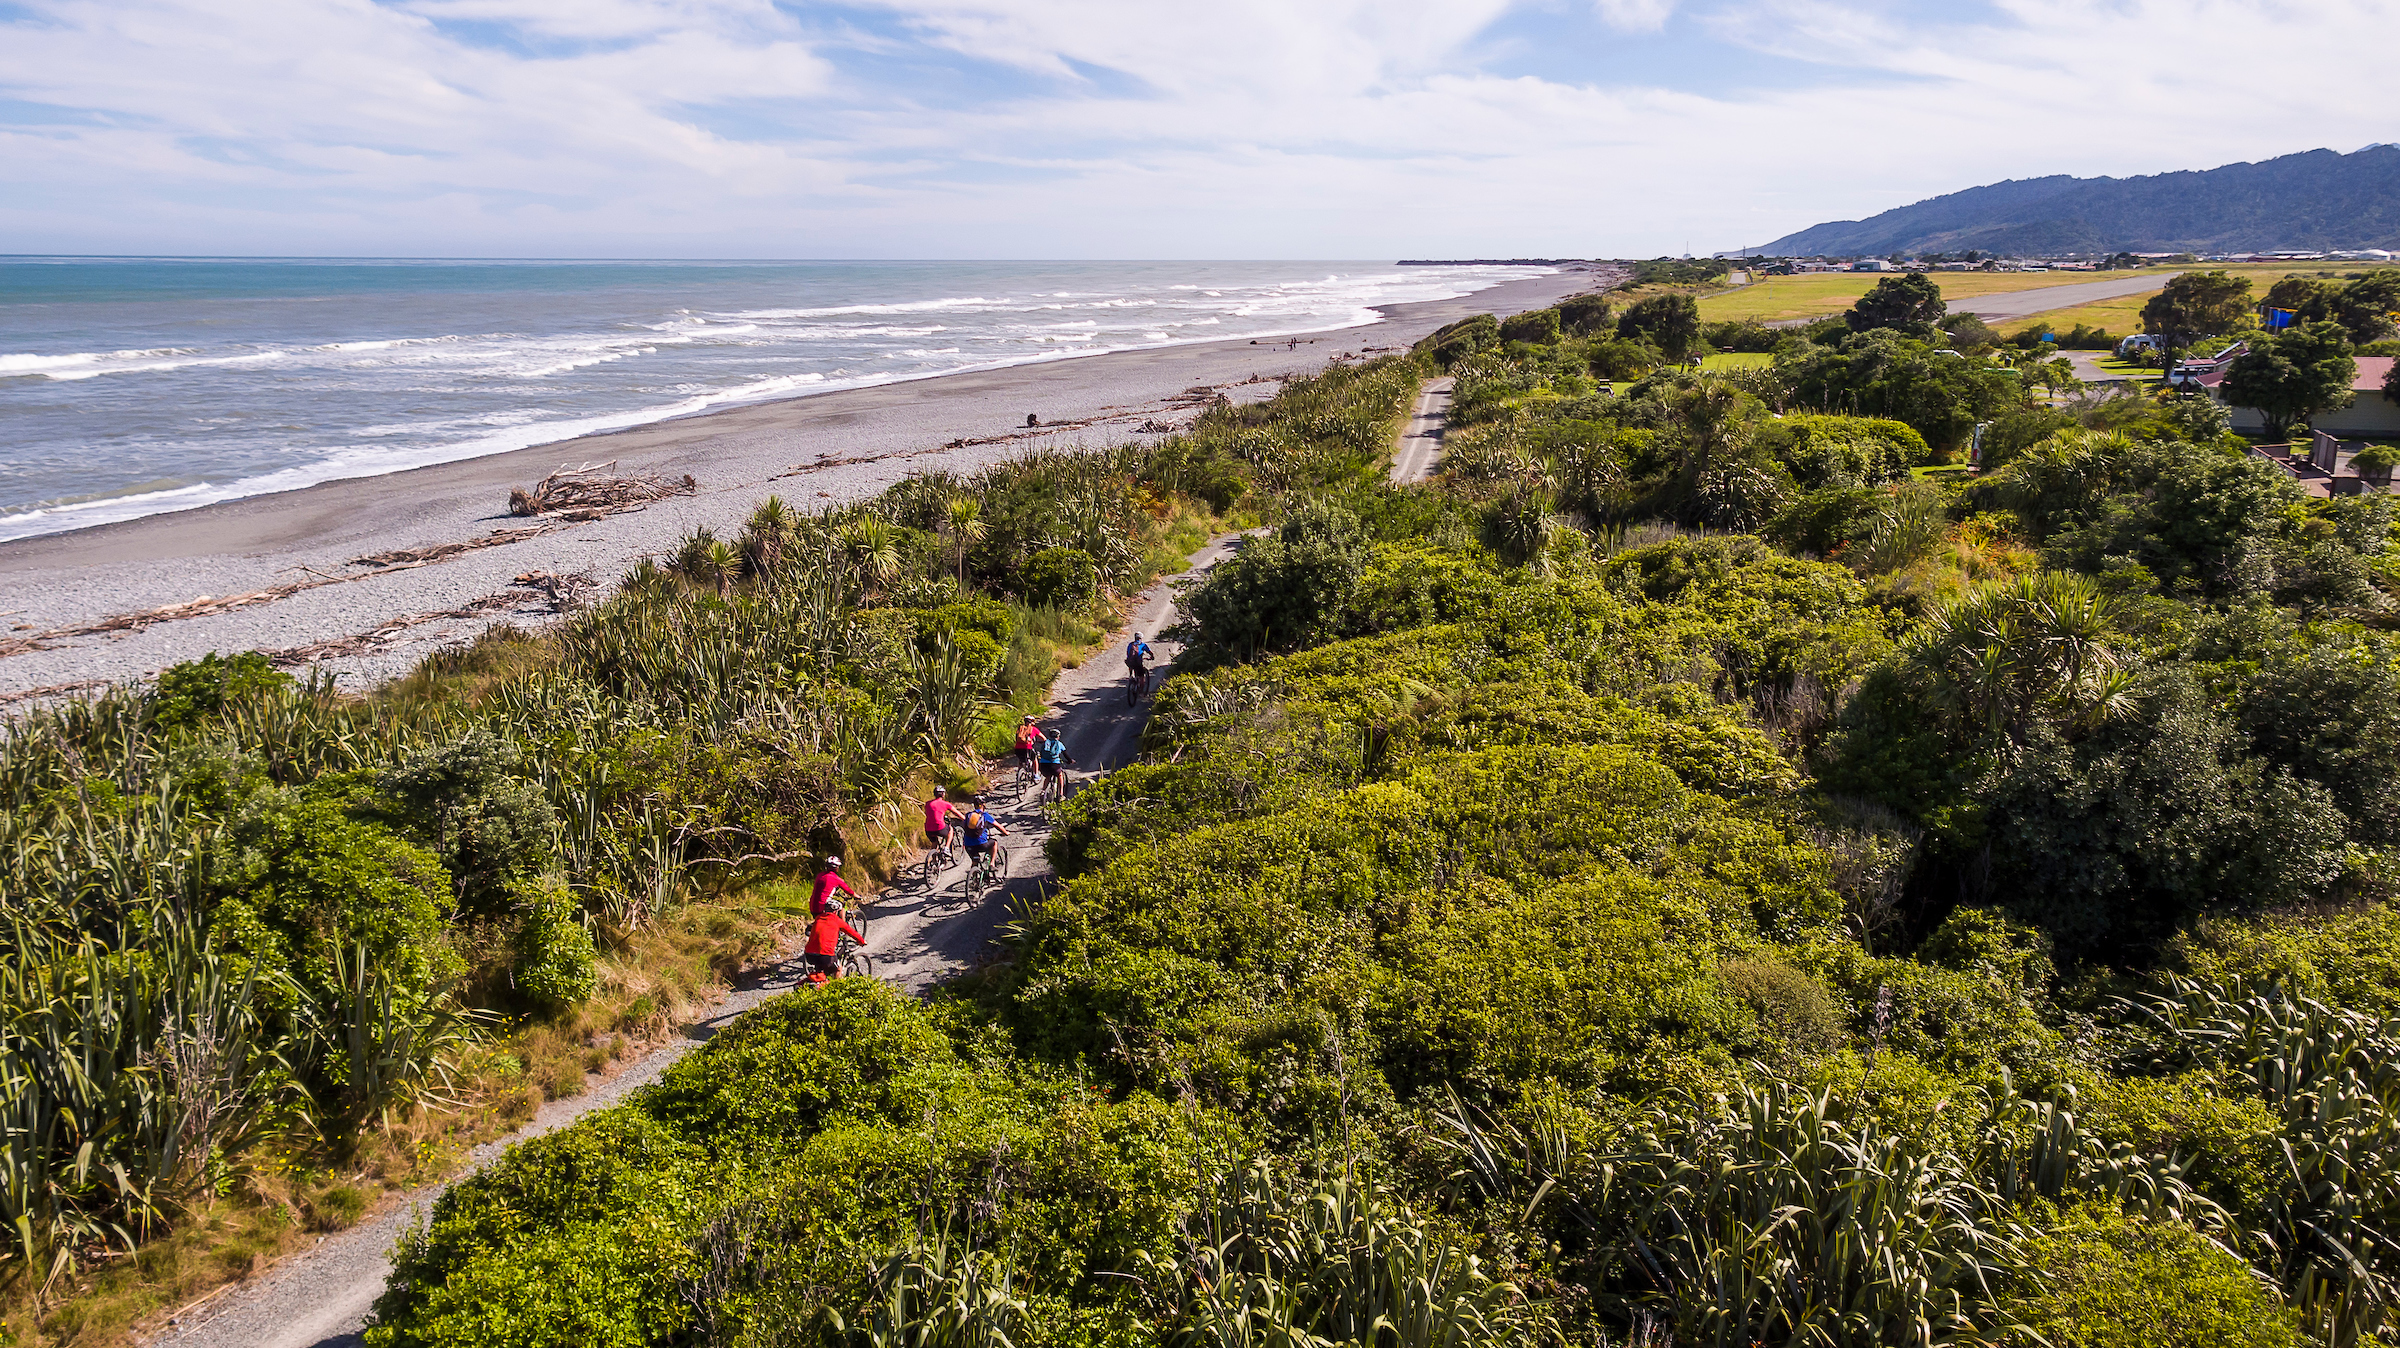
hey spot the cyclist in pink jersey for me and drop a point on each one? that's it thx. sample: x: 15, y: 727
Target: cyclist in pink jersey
x: 827, y: 883
x: 937, y: 822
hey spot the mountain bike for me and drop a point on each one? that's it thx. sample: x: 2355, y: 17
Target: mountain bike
x: 989, y: 869
x: 938, y: 859
x: 1137, y: 682
x: 855, y: 961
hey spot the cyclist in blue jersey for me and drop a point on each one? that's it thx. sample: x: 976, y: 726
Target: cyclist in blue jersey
x: 983, y: 831
x: 1137, y: 668
x: 1053, y: 760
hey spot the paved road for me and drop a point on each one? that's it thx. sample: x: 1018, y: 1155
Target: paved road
x: 1421, y: 439
x: 2021, y: 303
x: 921, y: 933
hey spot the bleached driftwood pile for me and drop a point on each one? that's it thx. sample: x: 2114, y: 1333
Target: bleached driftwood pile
x: 594, y: 490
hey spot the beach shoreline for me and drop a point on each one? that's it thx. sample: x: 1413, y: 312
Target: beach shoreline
x: 302, y: 547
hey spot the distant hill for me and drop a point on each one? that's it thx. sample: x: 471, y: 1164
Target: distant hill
x: 2314, y: 200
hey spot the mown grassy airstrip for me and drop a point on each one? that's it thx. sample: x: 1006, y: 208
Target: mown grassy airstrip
x: 1781, y: 298
x: 1778, y: 298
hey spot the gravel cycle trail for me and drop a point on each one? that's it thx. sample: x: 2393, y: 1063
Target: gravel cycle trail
x: 1420, y: 445
x: 919, y: 933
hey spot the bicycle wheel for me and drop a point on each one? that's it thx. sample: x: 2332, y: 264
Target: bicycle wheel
x: 858, y: 964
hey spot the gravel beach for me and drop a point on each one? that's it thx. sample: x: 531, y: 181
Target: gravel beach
x: 365, y: 623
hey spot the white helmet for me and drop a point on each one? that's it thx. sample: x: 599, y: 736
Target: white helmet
x: 833, y: 863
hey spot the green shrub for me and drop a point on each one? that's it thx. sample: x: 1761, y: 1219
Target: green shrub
x: 1826, y: 519
x: 491, y: 827
x: 1434, y: 895
x: 1538, y: 326
x: 295, y: 877
x: 991, y: 617
x: 1281, y: 591
x: 854, y: 1047
x: 2347, y: 958
x: 1062, y: 577
x: 1670, y: 322
x: 1585, y: 315
x: 570, y: 1238
x: 1454, y: 342
x: 195, y: 690
x: 745, y: 786
x: 2232, y: 1145
x: 2105, y: 1280
x: 1833, y: 451
x: 1622, y: 358
x: 1793, y: 1008
x: 553, y: 953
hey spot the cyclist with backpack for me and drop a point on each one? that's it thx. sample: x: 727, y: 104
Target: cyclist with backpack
x: 1054, y: 761
x: 980, y: 826
x: 1137, y: 667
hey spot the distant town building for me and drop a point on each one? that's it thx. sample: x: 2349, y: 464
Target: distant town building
x: 2370, y: 414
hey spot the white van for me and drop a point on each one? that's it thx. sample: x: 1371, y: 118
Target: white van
x: 2140, y: 341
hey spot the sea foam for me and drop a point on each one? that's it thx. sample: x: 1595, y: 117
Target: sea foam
x: 430, y: 362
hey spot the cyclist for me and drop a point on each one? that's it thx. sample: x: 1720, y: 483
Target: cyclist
x: 937, y: 823
x: 1054, y: 760
x: 825, y: 943
x: 828, y: 882
x: 1137, y: 665
x: 1029, y: 742
x: 979, y: 826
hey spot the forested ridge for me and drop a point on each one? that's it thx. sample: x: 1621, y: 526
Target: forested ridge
x: 2316, y: 199
x: 1685, y: 876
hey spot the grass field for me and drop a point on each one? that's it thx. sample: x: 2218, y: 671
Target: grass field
x: 2124, y: 315
x: 2118, y: 369
x: 1737, y: 360
x: 2118, y: 317
x: 1779, y: 298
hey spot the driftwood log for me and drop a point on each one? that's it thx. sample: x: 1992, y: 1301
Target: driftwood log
x: 594, y: 487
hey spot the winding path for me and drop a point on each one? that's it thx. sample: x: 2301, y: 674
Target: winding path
x: 921, y: 934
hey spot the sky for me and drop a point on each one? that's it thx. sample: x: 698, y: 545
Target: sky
x: 1118, y: 128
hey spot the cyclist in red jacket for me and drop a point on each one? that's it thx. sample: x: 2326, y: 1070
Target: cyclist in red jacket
x: 830, y: 881
x: 1029, y: 740
x: 825, y: 943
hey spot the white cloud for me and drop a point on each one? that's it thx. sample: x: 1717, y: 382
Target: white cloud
x: 1083, y: 128
x: 1635, y: 16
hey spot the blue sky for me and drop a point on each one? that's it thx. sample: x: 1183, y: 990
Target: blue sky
x: 1117, y: 128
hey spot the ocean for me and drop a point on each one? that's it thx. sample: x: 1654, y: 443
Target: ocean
x: 130, y: 386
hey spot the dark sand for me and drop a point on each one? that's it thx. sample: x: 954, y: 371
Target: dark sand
x: 872, y: 436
